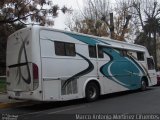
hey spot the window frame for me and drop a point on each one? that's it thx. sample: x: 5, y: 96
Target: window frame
x: 65, y: 48
x: 93, y: 51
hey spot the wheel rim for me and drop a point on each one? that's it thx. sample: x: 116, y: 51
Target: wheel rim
x: 143, y: 85
x: 92, y: 92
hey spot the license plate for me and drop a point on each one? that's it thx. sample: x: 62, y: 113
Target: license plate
x: 17, y: 93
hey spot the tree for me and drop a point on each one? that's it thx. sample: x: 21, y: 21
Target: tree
x: 5, y: 30
x: 98, y: 19
x: 89, y: 21
x: 16, y: 14
x: 39, y: 11
x: 122, y: 20
x: 151, y: 24
x: 144, y: 9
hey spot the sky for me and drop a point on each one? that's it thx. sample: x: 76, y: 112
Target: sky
x: 60, y: 21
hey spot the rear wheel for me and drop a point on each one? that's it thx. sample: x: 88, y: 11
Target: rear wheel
x: 143, y: 85
x: 92, y: 92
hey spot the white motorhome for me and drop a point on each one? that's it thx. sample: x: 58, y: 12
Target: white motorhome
x: 46, y: 64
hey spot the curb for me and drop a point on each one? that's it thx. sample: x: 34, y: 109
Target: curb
x: 14, y: 104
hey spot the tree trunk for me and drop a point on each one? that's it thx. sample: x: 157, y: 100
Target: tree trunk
x: 111, y: 26
x: 155, y: 49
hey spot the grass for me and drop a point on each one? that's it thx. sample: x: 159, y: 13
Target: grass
x: 2, y: 84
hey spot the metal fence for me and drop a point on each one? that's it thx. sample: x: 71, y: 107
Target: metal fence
x: 2, y: 77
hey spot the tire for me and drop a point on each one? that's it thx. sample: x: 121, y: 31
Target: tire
x: 143, y: 85
x: 92, y: 92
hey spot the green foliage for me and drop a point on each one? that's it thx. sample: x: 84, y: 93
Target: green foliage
x: 2, y: 85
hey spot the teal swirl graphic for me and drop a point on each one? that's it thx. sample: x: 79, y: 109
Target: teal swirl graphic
x: 122, y: 70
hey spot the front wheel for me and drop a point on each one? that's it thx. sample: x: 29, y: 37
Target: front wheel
x: 92, y: 92
x: 143, y: 85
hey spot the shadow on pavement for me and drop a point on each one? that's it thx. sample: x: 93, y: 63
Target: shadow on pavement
x: 40, y: 106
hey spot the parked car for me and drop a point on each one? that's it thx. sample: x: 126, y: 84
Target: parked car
x: 158, y: 78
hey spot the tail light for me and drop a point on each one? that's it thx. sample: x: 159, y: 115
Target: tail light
x: 35, y: 72
x: 35, y: 76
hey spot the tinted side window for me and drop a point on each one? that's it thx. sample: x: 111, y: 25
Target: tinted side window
x: 140, y: 56
x: 70, y: 49
x: 150, y: 64
x: 100, y: 52
x: 64, y: 49
x: 92, y: 52
x: 123, y: 52
x: 59, y: 48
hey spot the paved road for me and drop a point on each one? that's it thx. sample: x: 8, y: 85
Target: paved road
x: 147, y: 102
